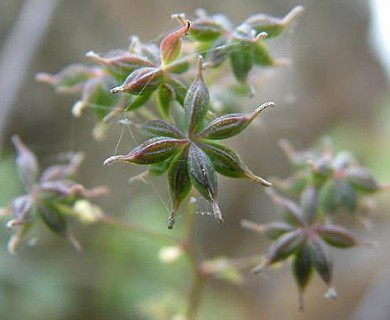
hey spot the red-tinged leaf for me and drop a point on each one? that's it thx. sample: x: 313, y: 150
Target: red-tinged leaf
x: 273, y: 26
x: 69, y: 80
x: 179, y: 183
x: 170, y: 46
x: 272, y: 230
x: 161, y: 128
x: 282, y: 248
x: 141, y: 81
x: 21, y: 206
x: 337, y: 236
x: 293, y: 213
x: 196, y: 102
x: 362, y: 179
x: 151, y: 151
x: 96, y: 95
x: 120, y: 62
x: 26, y: 162
x: 231, y: 124
x: 228, y: 163
x: 63, y: 171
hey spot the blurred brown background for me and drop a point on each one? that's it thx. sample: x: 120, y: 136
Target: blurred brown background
x: 334, y: 86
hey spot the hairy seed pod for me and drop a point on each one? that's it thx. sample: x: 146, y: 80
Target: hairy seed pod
x: 196, y: 102
x: 231, y: 124
x: 141, y: 81
x: 151, y: 151
x: 337, y: 236
x: 206, y: 30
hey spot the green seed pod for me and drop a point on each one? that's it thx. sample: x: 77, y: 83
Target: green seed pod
x: 156, y: 128
x: 205, y: 30
x: 361, y: 179
x: 170, y: 47
x: 335, y: 194
x: 302, y: 270
x: 196, y: 102
x: 202, y: 173
x: 309, y: 203
x: 53, y: 219
x: 179, y: 183
x: 337, y: 236
x: 141, y: 81
x: 151, y: 151
x: 321, y: 260
x: 231, y: 124
x: 228, y: 163
x: 284, y: 246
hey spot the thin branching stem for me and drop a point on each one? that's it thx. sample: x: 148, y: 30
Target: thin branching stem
x: 109, y: 220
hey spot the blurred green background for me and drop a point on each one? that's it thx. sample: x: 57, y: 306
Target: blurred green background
x: 334, y: 86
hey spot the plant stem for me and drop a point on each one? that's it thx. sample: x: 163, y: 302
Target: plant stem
x: 196, y: 294
x: 108, y: 220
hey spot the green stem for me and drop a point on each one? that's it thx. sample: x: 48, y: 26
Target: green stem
x: 196, y: 294
x: 107, y: 220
